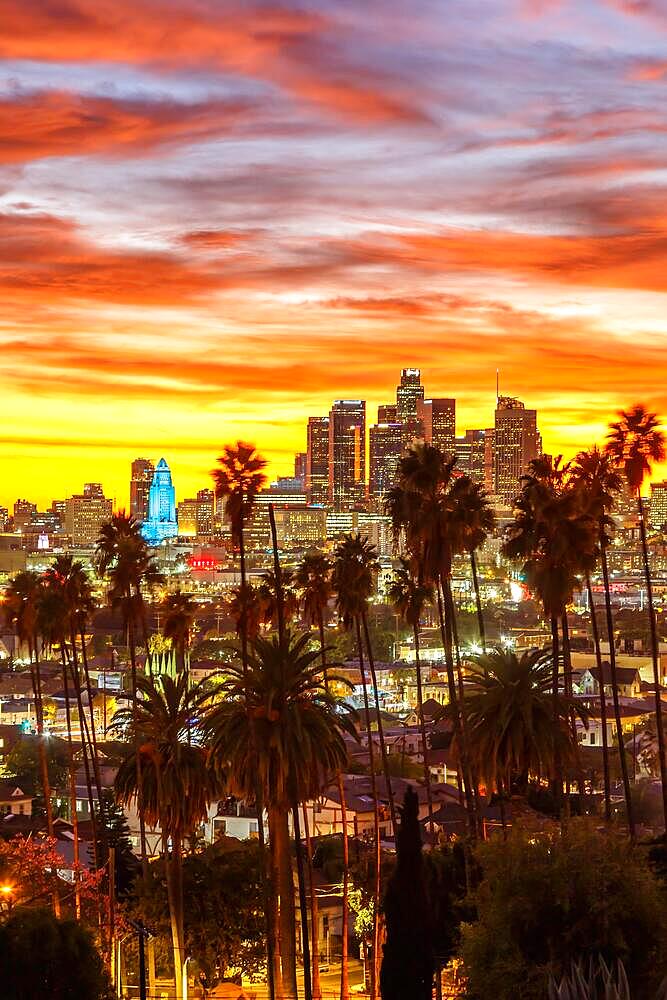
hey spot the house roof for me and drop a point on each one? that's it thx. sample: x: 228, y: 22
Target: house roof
x: 11, y: 791
x: 624, y: 675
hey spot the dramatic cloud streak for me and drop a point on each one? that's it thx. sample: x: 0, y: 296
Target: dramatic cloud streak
x: 217, y: 216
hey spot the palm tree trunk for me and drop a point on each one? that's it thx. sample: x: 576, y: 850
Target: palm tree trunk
x: 383, y: 746
x: 280, y: 597
x: 614, y: 688
x: 303, y: 903
x: 72, y: 780
x: 603, y: 703
x: 374, y: 965
x: 445, y: 631
x: 174, y: 917
x: 478, y: 601
x: 36, y: 678
x: 422, y: 728
x: 344, y: 959
x: 85, y: 750
x: 314, y: 910
x: 557, y: 785
x: 567, y: 664
x: 655, y: 656
x: 279, y: 836
x: 93, y: 732
x: 140, y: 780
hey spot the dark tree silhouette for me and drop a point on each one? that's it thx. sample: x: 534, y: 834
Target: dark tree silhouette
x: 407, y: 965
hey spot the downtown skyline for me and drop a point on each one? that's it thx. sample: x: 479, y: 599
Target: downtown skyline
x: 219, y: 217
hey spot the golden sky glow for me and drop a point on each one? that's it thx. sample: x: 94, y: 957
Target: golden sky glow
x: 217, y: 217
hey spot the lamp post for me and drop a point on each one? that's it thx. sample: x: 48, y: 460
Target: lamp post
x: 7, y: 896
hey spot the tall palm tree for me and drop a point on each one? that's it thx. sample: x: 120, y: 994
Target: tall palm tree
x: 123, y: 557
x: 179, y: 610
x: 238, y: 479
x: 409, y: 598
x: 21, y: 610
x: 178, y: 779
x: 312, y: 581
x: 422, y: 514
x: 277, y: 726
x: 352, y: 581
x: 598, y: 482
x: 636, y: 442
x: 476, y: 520
x: 513, y: 731
x: 245, y: 607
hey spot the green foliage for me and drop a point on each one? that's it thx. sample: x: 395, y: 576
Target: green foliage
x: 544, y: 904
x: 23, y: 763
x: 112, y: 818
x: 224, y: 922
x: 44, y: 957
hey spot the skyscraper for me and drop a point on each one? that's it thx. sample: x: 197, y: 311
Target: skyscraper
x: 408, y: 393
x: 24, y: 511
x: 658, y: 505
x: 317, y: 460
x: 385, y: 448
x: 347, y: 453
x: 516, y: 444
x: 387, y: 413
x: 85, y: 514
x: 300, y: 465
x: 437, y: 420
x: 161, y: 522
x: 140, y: 484
x: 471, y: 455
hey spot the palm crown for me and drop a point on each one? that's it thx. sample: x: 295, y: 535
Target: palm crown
x: 635, y: 442
x: 238, y: 479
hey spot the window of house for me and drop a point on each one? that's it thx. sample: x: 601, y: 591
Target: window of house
x: 592, y: 738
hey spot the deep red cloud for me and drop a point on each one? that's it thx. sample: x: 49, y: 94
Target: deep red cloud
x: 56, y: 123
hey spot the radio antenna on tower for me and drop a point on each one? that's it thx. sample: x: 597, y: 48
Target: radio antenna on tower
x: 497, y: 385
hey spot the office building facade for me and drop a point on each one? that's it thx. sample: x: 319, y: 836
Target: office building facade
x: 437, y: 421
x: 385, y: 449
x: 317, y: 460
x: 347, y: 454
x: 516, y: 444
x: 140, y: 484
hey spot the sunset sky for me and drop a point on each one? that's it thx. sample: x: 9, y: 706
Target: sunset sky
x: 217, y: 217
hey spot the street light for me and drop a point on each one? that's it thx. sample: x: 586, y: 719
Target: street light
x: 6, y: 894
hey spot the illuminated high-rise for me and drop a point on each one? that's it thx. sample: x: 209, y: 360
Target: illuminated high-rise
x: 140, y: 484
x: 658, y: 505
x: 437, y: 419
x: 317, y: 460
x: 387, y: 413
x: 409, y: 392
x: 300, y: 465
x: 473, y: 452
x: 347, y: 453
x: 385, y: 448
x: 516, y: 444
x: 85, y: 514
x: 161, y: 522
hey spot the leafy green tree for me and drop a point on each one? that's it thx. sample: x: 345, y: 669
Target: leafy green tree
x: 407, y: 964
x: 544, y: 903
x: 23, y: 762
x: 224, y: 918
x: 41, y: 956
x: 116, y: 833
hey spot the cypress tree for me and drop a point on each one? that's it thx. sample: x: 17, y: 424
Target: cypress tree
x: 407, y: 963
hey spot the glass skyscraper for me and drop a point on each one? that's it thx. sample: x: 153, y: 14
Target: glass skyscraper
x: 161, y: 522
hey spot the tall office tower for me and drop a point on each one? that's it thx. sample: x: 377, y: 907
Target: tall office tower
x: 347, y: 453
x: 387, y: 413
x: 140, y: 484
x: 386, y: 446
x: 85, y: 513
x: 205, y: 512
x: 300, y: 465
x: 658, y: 505
x: 471, y: 450
x: 516, y: 444
x: 4, y: 518
x: 161, y: 522
x: 409, y: 393
x: 24, y: 511
x: 317, y: 460
x: 437, y: 418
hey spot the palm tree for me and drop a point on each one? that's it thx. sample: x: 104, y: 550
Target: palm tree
x: 635, y: 442
x: 52, y: 623
x: 422, y: 512
x: 409, y: 597
x: 271, y: 596
x: 513, y: 730
x: 238, y: 479
x: 312, y: 581
x: 277, y: 726
x: 179, y: 610
x: 476, y: 521
x: 178, y: 780
x: 245, y: 607
x: 21, y: 608
x: 598, y: 482
x: 123, y: 556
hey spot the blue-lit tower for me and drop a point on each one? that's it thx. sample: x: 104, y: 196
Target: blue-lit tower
x: 161, y: 522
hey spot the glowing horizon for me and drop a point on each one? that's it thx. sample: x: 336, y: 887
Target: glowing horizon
x: 217, y: 217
